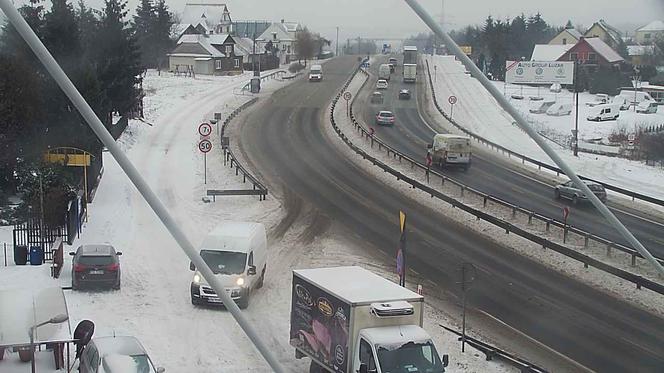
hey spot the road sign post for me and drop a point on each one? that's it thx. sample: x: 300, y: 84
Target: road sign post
x: 468, y: 274
x: 347, y: 96
x: 205, y: 146
x: 452, y: 100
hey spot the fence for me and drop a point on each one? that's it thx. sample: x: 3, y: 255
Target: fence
x: 229, y: 157
x: 587, y: 261
x: 272, y: 75
x: 524, y: 159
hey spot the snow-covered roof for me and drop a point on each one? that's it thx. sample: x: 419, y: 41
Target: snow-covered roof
x: 197, y: 9
x: 405, y: 333
x: 604, y: 50
x: 246, y: 29
x: 574, y: 32
x: 291, y: 26
x: 549, y: 52
x: 279, y: 29
x: 178, y: 28
x: 201, y: 40
x: 653, y: 26
x: 246, y: 46
x: 613, y: 32
x: 359, y: 286
x: 640, y: 50
x: 218, y: 39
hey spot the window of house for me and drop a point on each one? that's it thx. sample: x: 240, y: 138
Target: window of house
x: 592, y: 57
x: 573, y: 56
x: 218, y: 64
x: 237, y: 63
x: 564, y: 41
x: 274, y: 36
x: 229, y: 49
x: 288, y: 50
x: 646, y: 36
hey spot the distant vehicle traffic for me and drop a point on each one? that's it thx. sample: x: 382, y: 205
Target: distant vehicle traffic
x: 384, y: 72
x: 316, y: 73
x: 349, y: 320
x: 450, y: 150
x: 376, y: 98
x: 236, y: 252
x: 95, y: 266
x: 385, y: 117
x: 381, y: 84
x: 570, y: 191
x: 409, y: 73
x: 393, y: 62
x: 404, y: 94
x: 604, y: 112
x: 116, y: 355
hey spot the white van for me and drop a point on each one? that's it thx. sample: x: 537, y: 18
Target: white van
x: 450, y: 150
x: 384, y: 71
x: 622, y: 101
x: 541, y: 107
x: 647, y: 107
x: 599, y: 99
x: 604, y: 112
x: 237, y: 253
x: 636, y: 98
x: 316, y: 73
x: 559, y: 109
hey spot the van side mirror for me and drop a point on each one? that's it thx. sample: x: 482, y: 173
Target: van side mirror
x: 118, y: 253
x: 429, y: 146
x: 162, y: 369
x: 363, y: 368
x: 72, y: 253
x: 251, y: 271
x: 192, y: 267
x: 446, y: 360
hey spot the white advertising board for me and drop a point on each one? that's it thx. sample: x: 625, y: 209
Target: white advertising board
x: 537, y: 72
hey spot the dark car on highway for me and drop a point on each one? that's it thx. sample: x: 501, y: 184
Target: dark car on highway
x: 404, y: 94
x: 570, y: 191
x: 95, y: 266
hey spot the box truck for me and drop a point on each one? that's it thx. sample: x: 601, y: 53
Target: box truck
x: 409, y: 73
x: 349, y: 320
x: 409, y: 54
x: 384, y: 71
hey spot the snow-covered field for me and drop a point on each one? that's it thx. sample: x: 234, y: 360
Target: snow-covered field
x: 479, y: 112
x: 154, y: 303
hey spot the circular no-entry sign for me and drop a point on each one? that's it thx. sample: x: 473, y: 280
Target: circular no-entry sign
x: 348, y: 96
x: 205, y: 146
x: 452, y: 100
x: 205, y: 129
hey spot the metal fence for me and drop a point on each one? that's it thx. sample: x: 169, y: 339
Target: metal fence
x: 587, y: 261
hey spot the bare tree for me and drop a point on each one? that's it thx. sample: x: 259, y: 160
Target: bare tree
x: 305, y: 45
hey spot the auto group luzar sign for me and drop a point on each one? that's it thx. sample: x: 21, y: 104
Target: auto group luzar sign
x: 535, y: 72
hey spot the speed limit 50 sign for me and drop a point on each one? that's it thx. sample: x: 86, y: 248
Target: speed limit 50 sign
x: 205, y: 146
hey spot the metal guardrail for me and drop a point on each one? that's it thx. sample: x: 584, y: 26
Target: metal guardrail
x: 587, y: 261
x: 524, y: 159
x: 272, y: 75
x: 490, y: 352
x: 230, y: 157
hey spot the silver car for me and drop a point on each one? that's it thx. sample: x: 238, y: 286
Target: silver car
x: 570, y: 191
x: 385, y: 117
x: 116, y: 355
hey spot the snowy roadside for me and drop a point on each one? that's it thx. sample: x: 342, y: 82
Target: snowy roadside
x: 478, y: 111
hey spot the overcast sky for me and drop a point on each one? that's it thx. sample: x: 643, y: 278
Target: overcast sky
x: 393, y: 18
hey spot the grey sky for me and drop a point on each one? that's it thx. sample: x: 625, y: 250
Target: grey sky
x: 393, y: 18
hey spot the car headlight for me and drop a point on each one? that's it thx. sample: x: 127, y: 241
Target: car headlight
x: 240, y: 281
x: 197, y: 279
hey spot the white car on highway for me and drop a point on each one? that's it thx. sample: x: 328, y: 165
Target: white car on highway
x: 381, y: 84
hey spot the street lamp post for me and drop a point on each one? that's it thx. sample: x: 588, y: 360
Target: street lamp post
x: 41, y: 208
x: 54, y: 320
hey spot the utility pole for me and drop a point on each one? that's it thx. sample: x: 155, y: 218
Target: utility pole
x: 576, y: 117
x: 337, y: 44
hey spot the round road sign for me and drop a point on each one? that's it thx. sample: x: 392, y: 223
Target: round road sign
x: 205, y: 129
x: 348, y: 96
x: 205, y: 146
x: 452, y: 100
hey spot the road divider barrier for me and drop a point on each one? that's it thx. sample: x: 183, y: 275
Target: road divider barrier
x: 540, y: 165
x: 507, y: 226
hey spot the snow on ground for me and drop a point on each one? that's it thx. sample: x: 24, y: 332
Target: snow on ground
x: 153, y: 303
x: 479, y: 112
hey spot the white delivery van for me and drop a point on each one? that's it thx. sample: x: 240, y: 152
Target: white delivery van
x: 350, y: 320
x: 316, y: 73
x: 541, y: 107
x: 559, y: 109
x: 384, y: 71
x: 604, y: 112
x: 636, y: 97
x: 409, y: 73
x: 647, y: 107
x: 236, y: 252
x: 450, y: 150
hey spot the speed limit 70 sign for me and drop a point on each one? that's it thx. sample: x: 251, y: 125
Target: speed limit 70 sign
x: 452, y: 100
x: 205, y: 129
x: 205, y: 146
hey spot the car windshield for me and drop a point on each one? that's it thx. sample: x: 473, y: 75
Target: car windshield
x: 411, y: 357
x: 126, y: 364
x: 95, y: 260
x: 225, y: 262
x: 387, y: 114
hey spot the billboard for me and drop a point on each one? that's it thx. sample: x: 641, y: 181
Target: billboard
x: 466, y: 49
x: 319, y: 325
x: 536, y: 72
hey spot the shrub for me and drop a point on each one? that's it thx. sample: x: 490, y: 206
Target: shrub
x: 295, y: 67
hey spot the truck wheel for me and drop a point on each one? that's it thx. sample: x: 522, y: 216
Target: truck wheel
x: 243, y: 303
x: 261, y: 280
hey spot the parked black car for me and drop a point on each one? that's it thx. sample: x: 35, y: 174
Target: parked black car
x: 95, y: 266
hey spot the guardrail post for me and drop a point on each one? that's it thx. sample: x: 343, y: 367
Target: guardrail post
x: 462, y: 190
x: 585, y: 265
x: 513, y: 212
x: 608, y: 250
x: 484, y: 205
x: 237, y: 170
x: 565, y: 234
x: 530, y: 219
x: 585, y: 242
x: 638, y: 285
x: 633, y: 260
x: 427, y: 175
x: 442, y: 180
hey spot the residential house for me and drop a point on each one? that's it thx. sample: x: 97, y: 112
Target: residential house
x: 640, y: 55
x: 549, y: 52
x: 203, y: 17
x: 593, y: 52
x: 212, y: 54
x: 255, y: 53
x: 650, y: 32
x: 568, y: 36
x: 609, y: 34
x: 247, y: 29
x: 282, y: 36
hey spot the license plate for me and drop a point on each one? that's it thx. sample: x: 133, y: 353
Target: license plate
x: 96, y: 272
x: 214, y: 300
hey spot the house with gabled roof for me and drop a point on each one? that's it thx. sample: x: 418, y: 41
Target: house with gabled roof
x: 211, y: 54
x: 609, y: 34
x: 650, y: 32
x: 593, y: 52
x: 282, y: 36
x: 567, y: 36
